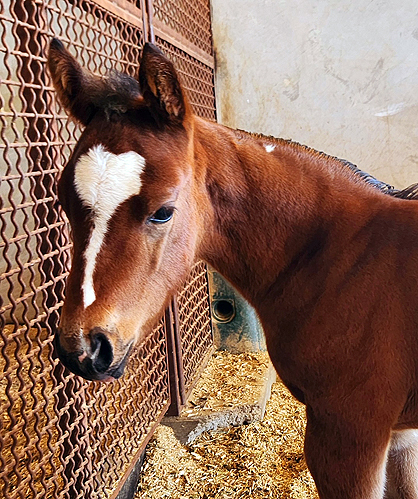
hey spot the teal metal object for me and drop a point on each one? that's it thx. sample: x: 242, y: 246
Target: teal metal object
x: 236, y: 326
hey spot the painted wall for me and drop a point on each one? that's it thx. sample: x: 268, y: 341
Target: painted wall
x: 340, y: 76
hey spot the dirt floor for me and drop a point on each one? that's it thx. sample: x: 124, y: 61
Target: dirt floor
x: 263, y: 459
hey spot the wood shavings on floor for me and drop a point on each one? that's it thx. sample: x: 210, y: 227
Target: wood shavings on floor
x: 228, y: 381
x: 261, y: 460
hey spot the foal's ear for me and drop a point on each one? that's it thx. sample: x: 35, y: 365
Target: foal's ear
x: 160, y: 86
x: 73, y: 84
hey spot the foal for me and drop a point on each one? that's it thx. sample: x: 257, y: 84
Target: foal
x: 329, y: 262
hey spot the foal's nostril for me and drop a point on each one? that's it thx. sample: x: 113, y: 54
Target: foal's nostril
x: 102, y: 352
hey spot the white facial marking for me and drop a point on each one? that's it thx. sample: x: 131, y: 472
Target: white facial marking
x: 103, y: 181
x: 269, y: 147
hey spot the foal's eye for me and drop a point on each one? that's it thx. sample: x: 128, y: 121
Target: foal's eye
x: 162, y: 215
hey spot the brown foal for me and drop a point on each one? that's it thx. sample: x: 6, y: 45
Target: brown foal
x: 329, y: 262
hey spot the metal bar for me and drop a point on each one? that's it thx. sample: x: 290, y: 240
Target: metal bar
x: 144, y: 20
x: 124, y: 10
x: 179, y: 350
x: 150, y: 11
x: 175, y: 395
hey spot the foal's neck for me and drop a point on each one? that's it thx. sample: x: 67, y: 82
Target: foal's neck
x: 274, y: 205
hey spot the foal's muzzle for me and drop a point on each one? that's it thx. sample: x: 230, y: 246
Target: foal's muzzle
x: 95, y: 361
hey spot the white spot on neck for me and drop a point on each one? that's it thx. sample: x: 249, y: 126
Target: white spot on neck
x: 269, y: 147
x: 103, y: 181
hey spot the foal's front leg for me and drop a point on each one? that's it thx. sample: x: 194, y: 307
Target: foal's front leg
x: 347, y: 459
x: 402, y: 466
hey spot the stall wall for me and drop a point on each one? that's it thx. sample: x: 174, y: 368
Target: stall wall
x: 338, y: 75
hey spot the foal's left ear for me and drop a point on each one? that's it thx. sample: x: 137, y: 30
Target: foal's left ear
x: 160, y: 86
x: 74, y: 85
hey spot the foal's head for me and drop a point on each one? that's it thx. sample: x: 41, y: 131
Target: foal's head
x: 128, y: 192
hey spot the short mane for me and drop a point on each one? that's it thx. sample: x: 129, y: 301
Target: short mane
x: 116, y: 93
x: 410, y: 192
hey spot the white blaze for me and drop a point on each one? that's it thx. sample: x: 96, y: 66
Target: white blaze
x: 103, y: 181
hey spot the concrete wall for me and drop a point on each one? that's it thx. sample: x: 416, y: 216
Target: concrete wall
x: 338, y: 75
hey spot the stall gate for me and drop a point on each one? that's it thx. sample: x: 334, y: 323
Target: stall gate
x: 60, y: 436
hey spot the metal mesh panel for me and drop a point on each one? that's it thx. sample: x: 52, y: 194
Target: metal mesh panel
x: 190, y: 18
x: 194, y: 323
x: 60, y: 437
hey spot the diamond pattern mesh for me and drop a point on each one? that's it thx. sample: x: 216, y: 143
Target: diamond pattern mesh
x: 189, y: 18
x: 62, y: 437
x: 194, y: 323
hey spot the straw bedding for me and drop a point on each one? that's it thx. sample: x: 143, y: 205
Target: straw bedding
x: 261, y: 460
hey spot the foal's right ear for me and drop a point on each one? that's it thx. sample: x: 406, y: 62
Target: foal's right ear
x: 160, y: 86
x: 73, y: 84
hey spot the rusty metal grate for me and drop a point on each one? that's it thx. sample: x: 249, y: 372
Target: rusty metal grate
x: 62, y: 437
x: 194, y: 324
x: 189, y: 18
x: 70, y: 437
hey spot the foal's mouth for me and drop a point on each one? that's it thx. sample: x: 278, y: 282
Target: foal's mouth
x: 117, y: 371
x: 87, y: 366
